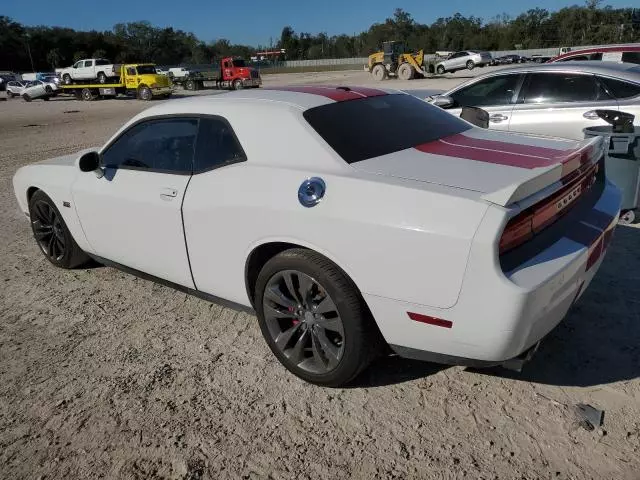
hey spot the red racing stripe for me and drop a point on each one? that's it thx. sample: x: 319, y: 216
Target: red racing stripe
x: 505, y: 153
x: 334, y: 93
x: 443, y: 147
x: 461, y: 139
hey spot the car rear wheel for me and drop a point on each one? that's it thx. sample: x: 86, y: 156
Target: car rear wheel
x: 26, y: 97
x: 440, y: 70
x: 51, y: 233
x: 46, y: 99
x: 102, y: 78
x: 314, y: 319
x: 379, y: 73
x: 470, y: 65
x: 66, y: 78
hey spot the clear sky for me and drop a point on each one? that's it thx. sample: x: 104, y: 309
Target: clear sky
x: 256, y: 22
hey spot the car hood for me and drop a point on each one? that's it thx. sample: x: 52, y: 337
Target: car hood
x: 503, y: 168
x: 67, y: 160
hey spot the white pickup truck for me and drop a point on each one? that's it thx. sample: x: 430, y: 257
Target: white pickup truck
x: 89, y: 69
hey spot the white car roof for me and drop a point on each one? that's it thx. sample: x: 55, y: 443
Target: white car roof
x: 295, y: 96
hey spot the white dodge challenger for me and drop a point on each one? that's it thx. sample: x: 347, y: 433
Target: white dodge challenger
x: 352, y: 220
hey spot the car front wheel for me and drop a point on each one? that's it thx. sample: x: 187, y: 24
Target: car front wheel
x: 314, y: 319
x: 51, y: 233
x: 470, y: 65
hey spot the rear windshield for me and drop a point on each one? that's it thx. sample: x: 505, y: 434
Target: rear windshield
x: 361, y: 129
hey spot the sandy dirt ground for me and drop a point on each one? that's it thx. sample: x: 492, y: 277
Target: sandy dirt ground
x: 105, y: 375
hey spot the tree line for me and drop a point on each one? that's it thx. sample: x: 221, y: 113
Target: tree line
x: 23, y: 48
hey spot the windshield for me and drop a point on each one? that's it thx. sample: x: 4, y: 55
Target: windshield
x: 371, y: 127
x: 146, y: 69
x: 239, y: 63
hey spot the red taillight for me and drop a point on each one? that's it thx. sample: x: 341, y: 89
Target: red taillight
x: 517, y: 231
x: 533, y: 220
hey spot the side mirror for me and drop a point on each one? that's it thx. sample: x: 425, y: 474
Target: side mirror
x: 476, y: 116
x: 443, y: 101
x: 90, y: 162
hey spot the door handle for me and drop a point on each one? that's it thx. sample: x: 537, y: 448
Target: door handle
x: 591, y: 115
x: 168, y: 193
x: 498, y: 117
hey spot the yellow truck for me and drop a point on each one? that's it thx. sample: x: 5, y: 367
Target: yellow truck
x: 138, y: 79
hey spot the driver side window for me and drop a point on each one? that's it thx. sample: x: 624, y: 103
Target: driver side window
x: 162, y: 145
x: 498, y: 90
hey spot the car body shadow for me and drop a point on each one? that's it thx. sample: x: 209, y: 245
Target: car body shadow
x: 599, y: 340
x: 392, y: 369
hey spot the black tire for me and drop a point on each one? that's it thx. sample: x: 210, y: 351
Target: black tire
x: 190, y: 85
x: 405, y: 72
x: 470, y: 65
x: 378, y: 72
x: 102, y: 78
x: 237, y: 84
x: 26, y: 98
x: 145, y: 93
x: 87, y: 95
x: 56, y: 243
x: 46, y: 99
x: 11, y: 95
x: 361, y: 341
x: 440, y: 70
x: 66, y: 78
x: 48, y: 89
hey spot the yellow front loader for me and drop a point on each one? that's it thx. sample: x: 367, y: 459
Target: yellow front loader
x: 394, y: 62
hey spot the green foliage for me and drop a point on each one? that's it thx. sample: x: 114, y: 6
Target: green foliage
x: 142, y: 42
x: 536, y: 28
x: 53, y: 47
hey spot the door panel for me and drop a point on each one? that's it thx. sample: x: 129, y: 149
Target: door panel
x: 564, y: 120
x: 133, y: 214
x: 559, y: 104
x: 129, y: 218
x: 495, y: 94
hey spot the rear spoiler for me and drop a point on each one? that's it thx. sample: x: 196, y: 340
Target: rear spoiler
x: 564, y: 168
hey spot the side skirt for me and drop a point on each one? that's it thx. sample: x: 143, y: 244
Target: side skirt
x: 196, y: 293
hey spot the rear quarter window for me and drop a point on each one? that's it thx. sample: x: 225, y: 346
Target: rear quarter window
x: 621, y: 89
x: 371, y: 127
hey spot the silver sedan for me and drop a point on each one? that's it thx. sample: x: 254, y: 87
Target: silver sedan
x: 466, y: 59
x: 556, y: 99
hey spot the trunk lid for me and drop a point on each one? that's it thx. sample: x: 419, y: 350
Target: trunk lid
x: 503, y: 168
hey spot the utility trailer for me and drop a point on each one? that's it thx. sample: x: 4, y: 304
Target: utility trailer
x: 138, y: 80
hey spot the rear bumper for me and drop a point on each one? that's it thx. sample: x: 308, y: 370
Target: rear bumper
x: 500, y: 315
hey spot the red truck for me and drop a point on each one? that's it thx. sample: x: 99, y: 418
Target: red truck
x: 232, y: 73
